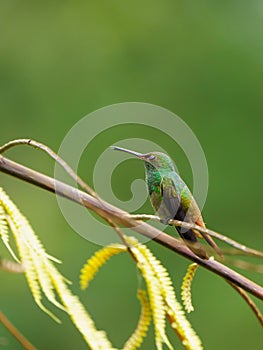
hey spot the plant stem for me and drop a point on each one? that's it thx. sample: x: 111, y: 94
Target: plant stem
x: 238, y: 246
x: 250, y: 303
x: 15, y: 333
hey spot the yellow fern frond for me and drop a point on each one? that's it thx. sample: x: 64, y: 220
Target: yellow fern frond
x: 156, y: 298
x: 30, y: 269
x: 89, y: 271
x: 135, y: 341
x: 45, y: 282
x: 186, y: 287
x: 4, y: 231
x: 184, y: 330
x: 173, y: 308
x: 93, y: 264
x: 154, y: 292
x: 43, y: 277
x: 175, y: 313
x: 97, y: 340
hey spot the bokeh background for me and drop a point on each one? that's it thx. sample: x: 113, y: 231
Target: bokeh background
x: 203, y: 60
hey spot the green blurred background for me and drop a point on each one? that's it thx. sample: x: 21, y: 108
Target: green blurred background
x: 203, y: 60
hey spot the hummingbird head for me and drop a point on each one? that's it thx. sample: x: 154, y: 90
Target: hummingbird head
x: 157, y: 160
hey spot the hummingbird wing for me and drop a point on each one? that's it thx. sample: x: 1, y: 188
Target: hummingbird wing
x: 177, y: 205
x: 178, y: 199
x: 170, y: 196
x: 172, y: 200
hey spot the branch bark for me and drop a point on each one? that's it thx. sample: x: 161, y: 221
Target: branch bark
x: 108, y: 211
x: 15, y: 332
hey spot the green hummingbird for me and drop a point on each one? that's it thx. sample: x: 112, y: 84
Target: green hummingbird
x: 171, y: 198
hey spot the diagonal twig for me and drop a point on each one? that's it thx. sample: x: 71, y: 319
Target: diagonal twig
x: 52, y: 154
x: 250, y: 303
x: 122, y: 237
x: 230, y: 241
x: 15, y: 332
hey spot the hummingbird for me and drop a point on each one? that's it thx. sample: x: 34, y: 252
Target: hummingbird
x: 171, y: 199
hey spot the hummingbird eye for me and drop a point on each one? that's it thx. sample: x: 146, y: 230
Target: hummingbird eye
x: 151, y: 157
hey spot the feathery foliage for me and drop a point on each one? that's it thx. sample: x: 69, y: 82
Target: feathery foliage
x: 89, y: 271
x: 136, y: 339
x: 154, y: 291
x: 186, y: 294
x: 42, y: 275
x: 173, y: 309
x: 4, y: 230
x: 158, y: 303
x: 93, y: 264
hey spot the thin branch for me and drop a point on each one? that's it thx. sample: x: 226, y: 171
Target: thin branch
x: 15, y: 333
x: 120, y: 217
x: 240, y: 249
x: 227, y: 240
x: 122, y: 237
x: 53, y: 155
x: 244, y: 265
x: 250, y: 302
x: 233, y: 243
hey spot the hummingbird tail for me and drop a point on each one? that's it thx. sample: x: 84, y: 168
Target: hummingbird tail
x: 212, y: 243
x: 193, y: 244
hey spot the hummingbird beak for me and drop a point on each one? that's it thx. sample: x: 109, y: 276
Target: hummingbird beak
x: 136, y: 154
